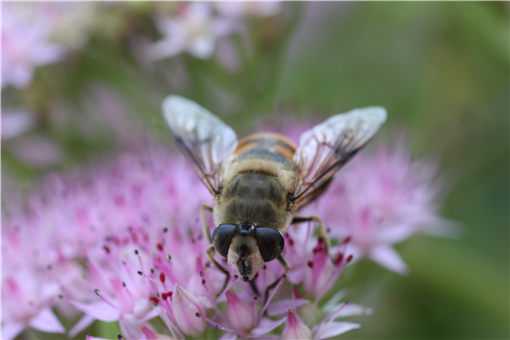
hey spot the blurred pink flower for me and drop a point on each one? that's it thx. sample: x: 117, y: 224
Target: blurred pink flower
x: 39, y: 33
x: 27, y: 300
x: 237, y: 9
x: 15, y: 123
x: 195, y: 29
x: 25, y: 44
x: 37, y: 151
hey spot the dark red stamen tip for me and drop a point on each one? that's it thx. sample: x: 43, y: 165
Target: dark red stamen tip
x: 159, y: 246
x: 338, y: 259
x: 154, y: 300
x: 162, y: 277
x: 310, y: 264
x: 166, y: 295
x: 349, y: 259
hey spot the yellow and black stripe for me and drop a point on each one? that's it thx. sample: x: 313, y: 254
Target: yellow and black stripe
x: 266, y: 145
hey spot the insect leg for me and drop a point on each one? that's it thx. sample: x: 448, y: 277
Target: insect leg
x: 323, y: 234
x: 210, y: 255
x: 204, y: 208
x: 277, y: 281
x: 253, y: 286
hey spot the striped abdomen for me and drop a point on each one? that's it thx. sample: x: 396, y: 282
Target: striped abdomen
x: 266, y: 145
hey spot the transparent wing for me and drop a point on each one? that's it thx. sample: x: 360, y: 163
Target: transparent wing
x: 324, y: 149
x: 205, y: 139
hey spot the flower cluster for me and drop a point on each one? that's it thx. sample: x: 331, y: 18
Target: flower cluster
x: 380, y: 199
x: 124, y: 243
x: 197, y: 27
x: 36, y: 34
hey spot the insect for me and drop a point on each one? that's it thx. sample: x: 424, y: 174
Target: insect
x: 262, y: 181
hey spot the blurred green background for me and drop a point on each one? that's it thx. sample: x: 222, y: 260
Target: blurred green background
x: 442, y: 70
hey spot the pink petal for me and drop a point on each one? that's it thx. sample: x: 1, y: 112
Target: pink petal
x: 240, y: 314
x: 11, y: 330
x: 296, y: 328
x: 346, y: 310
x: 332, y: 329
x: 99, y: 310
x: 389, y: 258
x: 228, y: 336
x: 46, y: 321
x: 283, y: 306
x: 352, y: 310
x: 396, y: 234
x: 266, y: 325
x: 187, y: 312
x: 130, y: 328
x: 83, y: 323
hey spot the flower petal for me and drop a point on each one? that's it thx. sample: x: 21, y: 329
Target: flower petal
x: 99, y: 310
x: 283, y: 306
x: 83, y: 323
x: 228, y: 336
x: 332, y: 329
x: 266, y: 325
x: 46, y: 321
x: 352, y: 310
x: 11, y: 330
x: 296, y: 328
x: 389, y: 258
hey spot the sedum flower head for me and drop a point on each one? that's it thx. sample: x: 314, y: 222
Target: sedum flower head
x: 123, y: 242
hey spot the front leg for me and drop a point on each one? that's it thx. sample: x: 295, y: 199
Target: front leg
x: 210, y: 255
x: 323, y: 234
x: 277, y: 281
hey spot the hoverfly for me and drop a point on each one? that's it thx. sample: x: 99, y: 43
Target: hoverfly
x: 261, y: 182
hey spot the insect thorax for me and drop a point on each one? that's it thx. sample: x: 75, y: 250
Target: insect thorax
x: 255, y: 198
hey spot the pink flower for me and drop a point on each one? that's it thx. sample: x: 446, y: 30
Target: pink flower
x: 381, y: 199
x: 248, y: 8
x: 25, y: 45
x: 29, y: 293
x: 15, y: 123
x: 29, y: 36
x: 134, y: 223
x: 195, y: 29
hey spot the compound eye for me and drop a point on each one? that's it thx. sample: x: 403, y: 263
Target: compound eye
x: 269, y: 241
x: 222, y: 236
